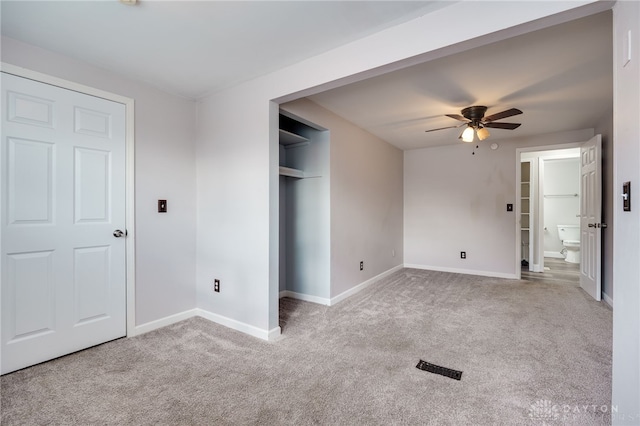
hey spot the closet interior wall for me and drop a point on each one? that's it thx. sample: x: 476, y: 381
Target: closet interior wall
x: 304, y: 210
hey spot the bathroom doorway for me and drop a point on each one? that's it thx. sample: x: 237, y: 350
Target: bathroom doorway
x: 549, y: 210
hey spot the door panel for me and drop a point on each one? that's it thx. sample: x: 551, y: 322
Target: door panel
x: 63, y: 271
x: 91, y: 195
x: 30, y: 175
x: 91, y: 283
x: 31, y: 288
x: 31, y: 110
x: 93, y: 123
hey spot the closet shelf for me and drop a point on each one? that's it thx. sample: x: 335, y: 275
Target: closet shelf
x: 289, y: 172
x: 288, y: 138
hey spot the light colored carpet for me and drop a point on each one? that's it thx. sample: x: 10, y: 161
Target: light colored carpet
x: 530, y: 352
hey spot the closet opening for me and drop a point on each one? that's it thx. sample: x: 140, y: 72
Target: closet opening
x: 304, y: 239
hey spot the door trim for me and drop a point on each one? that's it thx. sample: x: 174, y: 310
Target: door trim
x: 518, y: 208
x: 129, y: 104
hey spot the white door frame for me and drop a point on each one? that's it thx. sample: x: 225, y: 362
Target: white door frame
x: 533, y: 179
x: 518, y: 209
x: 129, y: 169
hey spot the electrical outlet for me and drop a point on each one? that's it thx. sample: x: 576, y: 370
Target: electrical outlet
x: 362, y: 265
x: 216, y: 286
x: 463, y: 255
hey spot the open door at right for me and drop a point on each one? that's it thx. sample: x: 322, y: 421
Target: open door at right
x: 591, y: 216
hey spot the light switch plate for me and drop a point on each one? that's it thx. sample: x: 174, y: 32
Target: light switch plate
x: 626, y: 196
x: 162, y: 206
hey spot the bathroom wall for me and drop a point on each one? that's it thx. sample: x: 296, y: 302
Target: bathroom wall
x: 549, y: 241
x: 561, y: 203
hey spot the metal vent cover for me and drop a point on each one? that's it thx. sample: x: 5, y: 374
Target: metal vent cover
x: 436, y: 369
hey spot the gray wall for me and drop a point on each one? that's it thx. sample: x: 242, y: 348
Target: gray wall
x: 366, y: 199
x: 455, y: 201
x: 165, y: 154
x: 626, y: 230
x: 237, y: 147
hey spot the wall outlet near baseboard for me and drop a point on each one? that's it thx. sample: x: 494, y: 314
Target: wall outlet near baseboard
x: 463, y: 255
x: 216, y: 286
x: 362, y: 265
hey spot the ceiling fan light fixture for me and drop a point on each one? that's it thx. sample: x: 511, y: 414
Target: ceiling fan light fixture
x: 482, y: 133
x: 467, y: 135
x: 476, y: 122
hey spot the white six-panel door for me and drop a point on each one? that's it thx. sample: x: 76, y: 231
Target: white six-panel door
x: 591, y: 216
x: 63, y: 196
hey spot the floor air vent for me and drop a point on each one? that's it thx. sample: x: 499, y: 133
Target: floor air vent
x: 436, y: 369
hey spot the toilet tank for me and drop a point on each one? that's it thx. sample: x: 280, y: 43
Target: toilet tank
x: 569, y: 232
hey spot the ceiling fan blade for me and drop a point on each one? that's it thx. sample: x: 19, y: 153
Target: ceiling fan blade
x: 457, y: 117
x: 448, y: 127
x: 508, y: 126
x: 500, y: 115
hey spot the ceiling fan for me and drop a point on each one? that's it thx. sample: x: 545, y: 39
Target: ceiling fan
x: 476, y: 123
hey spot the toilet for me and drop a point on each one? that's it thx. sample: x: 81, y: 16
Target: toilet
x: 570, y: 237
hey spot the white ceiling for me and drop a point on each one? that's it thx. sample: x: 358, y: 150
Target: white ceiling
x: 561, y: 77
x: 192, y: 48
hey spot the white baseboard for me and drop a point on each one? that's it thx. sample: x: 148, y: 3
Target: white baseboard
x: 162, y: 322
x: 363, y: 285
x: 462, y: 271
x: 219, y: 319
x: 607, y: 299
x: 341, y: 296
x: 240, y: 326
x: 274, y: 334
x: 554, y: 254
x: 305, y: 297
x: 251, y: 330
x: 536, y: 267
